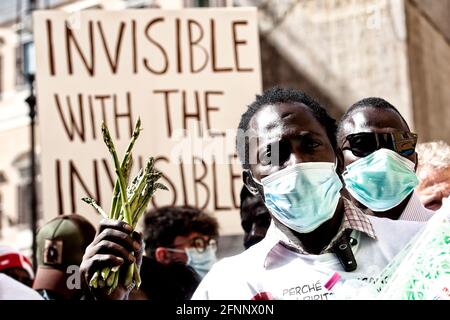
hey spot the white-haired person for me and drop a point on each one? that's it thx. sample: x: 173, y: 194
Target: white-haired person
x: 433, y: 173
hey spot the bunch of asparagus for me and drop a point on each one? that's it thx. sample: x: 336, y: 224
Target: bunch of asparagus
x: 128, y: 204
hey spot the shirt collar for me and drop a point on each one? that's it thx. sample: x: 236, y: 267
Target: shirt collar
x: 415, y: 211
x: 354, y: 219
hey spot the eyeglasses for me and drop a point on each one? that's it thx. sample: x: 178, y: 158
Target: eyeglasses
x: 364, y: 143
x: 200, y: 244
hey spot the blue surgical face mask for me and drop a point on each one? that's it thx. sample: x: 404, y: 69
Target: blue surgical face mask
x: 201, y: 262
x: 380, y: 181
x: 303, y: 196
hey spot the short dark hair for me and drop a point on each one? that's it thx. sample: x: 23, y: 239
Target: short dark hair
x: 374, y: 102
x: 277, y: 95
x: 163, y: 225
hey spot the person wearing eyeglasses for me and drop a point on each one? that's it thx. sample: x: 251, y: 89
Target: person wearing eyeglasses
x: 180, y: 249
x: 180, y: 245
x: 317, y: 239
x: 181, y: 234
x: 380, y: 161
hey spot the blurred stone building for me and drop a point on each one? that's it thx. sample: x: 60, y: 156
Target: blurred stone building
x: 343, y: 50
x: 339, y: 51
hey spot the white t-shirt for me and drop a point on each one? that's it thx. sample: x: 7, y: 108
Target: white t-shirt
x: 10, y: 289
x: 271, y: 270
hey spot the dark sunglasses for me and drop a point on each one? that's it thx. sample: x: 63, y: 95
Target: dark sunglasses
x: 364, y: 143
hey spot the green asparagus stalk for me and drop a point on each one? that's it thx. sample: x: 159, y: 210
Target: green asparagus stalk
x: 111, y: 278
x: 116, y: 204
x: 128, y: 204
x: 137, y: 277
x: 126, y: 167
x: 105, y: 272
x: 120, y: 178
x: 114, y: 284
x: 116, y: 207
x: 95, y: 205
x: 130, y: 275
x: 94, y: 280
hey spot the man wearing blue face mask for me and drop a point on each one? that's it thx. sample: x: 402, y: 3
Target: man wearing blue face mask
x: 317, y: 239
x: 180, y: 247
x: 184, y: 235
x: 380, y: 160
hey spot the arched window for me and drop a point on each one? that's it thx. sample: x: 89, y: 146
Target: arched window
x: 22, y: 164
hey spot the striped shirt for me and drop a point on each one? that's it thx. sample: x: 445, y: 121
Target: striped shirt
x: 272, y: 270
x: 354, y: 219
x: 415, y: 211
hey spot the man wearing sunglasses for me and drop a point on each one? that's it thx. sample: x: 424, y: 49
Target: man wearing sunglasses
x: 380, y: 161
x: 317, y: 239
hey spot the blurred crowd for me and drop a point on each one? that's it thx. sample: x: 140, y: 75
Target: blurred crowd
x: 326, y: 182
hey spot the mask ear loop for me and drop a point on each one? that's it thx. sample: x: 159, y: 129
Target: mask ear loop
x: 341, y: 176
x: 335, y: 166
x: 335, y: 163
x: 254, y: 179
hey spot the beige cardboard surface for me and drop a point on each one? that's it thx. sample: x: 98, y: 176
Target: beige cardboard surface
x: 188, y: 74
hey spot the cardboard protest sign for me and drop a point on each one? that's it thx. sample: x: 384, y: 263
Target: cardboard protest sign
x: 188, y: 74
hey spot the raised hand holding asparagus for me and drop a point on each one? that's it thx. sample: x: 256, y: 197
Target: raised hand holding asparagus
x: 116, y: 242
